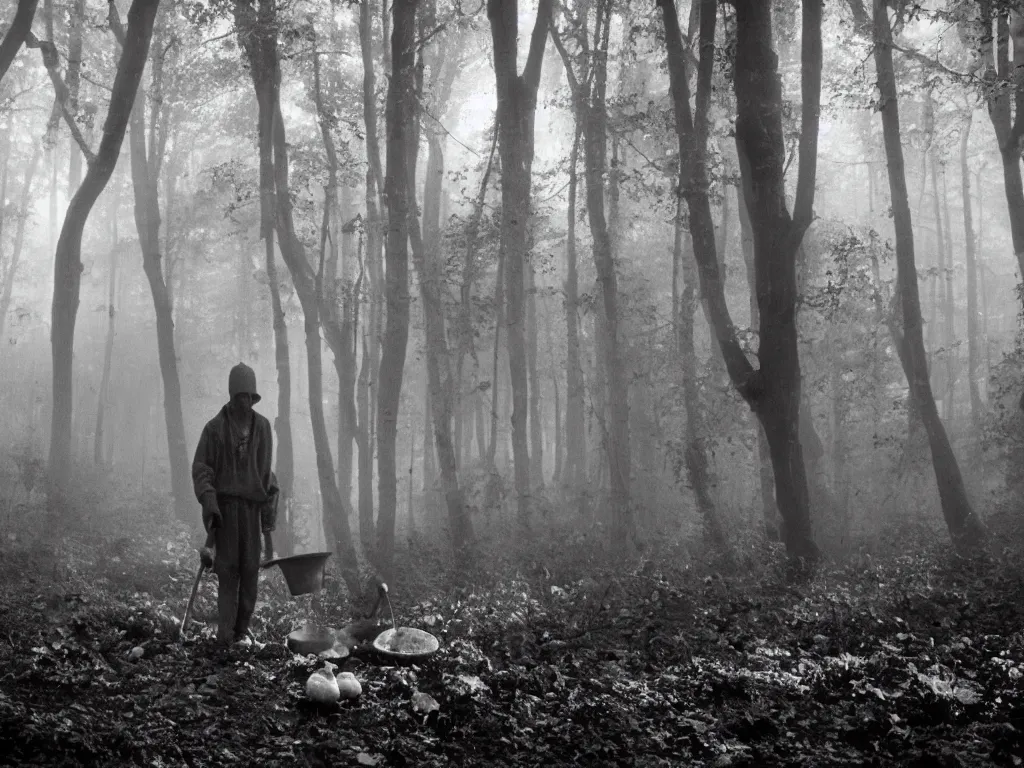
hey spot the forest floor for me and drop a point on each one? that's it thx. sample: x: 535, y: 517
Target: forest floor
x: 892, y: 660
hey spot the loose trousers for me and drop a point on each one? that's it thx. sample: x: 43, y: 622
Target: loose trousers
x: 237, y: 565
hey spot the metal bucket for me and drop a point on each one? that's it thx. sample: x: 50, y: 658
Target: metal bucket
x: 303, y: 573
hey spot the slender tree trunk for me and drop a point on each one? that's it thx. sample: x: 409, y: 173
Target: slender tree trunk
x: 592, y: 112
x: 536, y: 430
x: 108, y: 347
x: 696, y: 460
x: 964, y: 526
x: 949, y: 307
x: 499, y: 321
x: 367, y: 384
x: 73, y: 79
x: 68, y: 259
x: 257, y: 30
x: 575, y: 426
x: 396, y: 333
x: 145, y: 164
x: 972, y: 277
x: 517, y: 104
x: 7, y: 286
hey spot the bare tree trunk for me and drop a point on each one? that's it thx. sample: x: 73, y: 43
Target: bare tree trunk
x: 68, y: 259
x: 396, y: 332
x: 575, y: 427
x: 964, y: 526
x: 145, y: 164
x: 972, y: 277
x: 367, y: 384
x: 696, y: 460
x: 589, y: 100
x: 536, y: 430
x: 499, y: 321
x: 257, y: 31
x: 7, y: 284
x: 769, y: 512
x: 14, y: 37
x: 108, y: 347
x: 517, y: 104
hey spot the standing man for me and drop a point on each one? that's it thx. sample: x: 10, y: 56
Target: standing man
x: 233, y: 481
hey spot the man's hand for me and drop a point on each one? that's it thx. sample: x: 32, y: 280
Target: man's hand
x: 212, y: 518
x: 268, y: 547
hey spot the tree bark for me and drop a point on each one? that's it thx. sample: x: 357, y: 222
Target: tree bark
x: 695, y: 458
x: 7, y: 285
x: 964, y: 526
x: 575, y: 425
x: 108, y: 346
x: 517, y: 105
x: 374, y: 187
x: 773, y: 391
x: 766, y: 483
x: 145, y: 167
x: 76, y: 20
x: 257, y: 31
x: 68, y: 259
x: 592, y: 111
x: 14, y: 38
x: 396, y: 333
x: 972, y: 279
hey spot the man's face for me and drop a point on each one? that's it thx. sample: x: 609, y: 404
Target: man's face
x: 242, y: 402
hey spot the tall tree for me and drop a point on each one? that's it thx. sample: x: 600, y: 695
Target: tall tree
x: 429, y: 263
x: 964, y: 526
x: 147, y: 145
x: 23, y: 212
x: 517, y: 105
x: 68, y: 259
x: 374, y: 227
x: 575, y: 427
x: 401, y: 103
x: 972, y: 274
x: 589, y: 88
x: 257, y: 31
x: 773, y: 389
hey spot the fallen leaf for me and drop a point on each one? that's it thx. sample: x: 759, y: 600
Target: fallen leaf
x: 424, y: 703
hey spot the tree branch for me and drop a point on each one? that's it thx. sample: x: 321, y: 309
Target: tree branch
x: 52, y: 63
x: 810, y: 86
x: 531, y: 75
x: 20, y: 28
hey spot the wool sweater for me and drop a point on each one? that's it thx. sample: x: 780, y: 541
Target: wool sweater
x: 228, y: 464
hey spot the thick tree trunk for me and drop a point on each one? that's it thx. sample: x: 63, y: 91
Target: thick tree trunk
x: 766, y: 483
x: 972, y: 278
x: 396, y: 332
x: 68, y: 259
x: 16, y: 33
x: 145, y: 165
x: 517, y: 104
x: 964, y: 526
x: 774, y: 390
